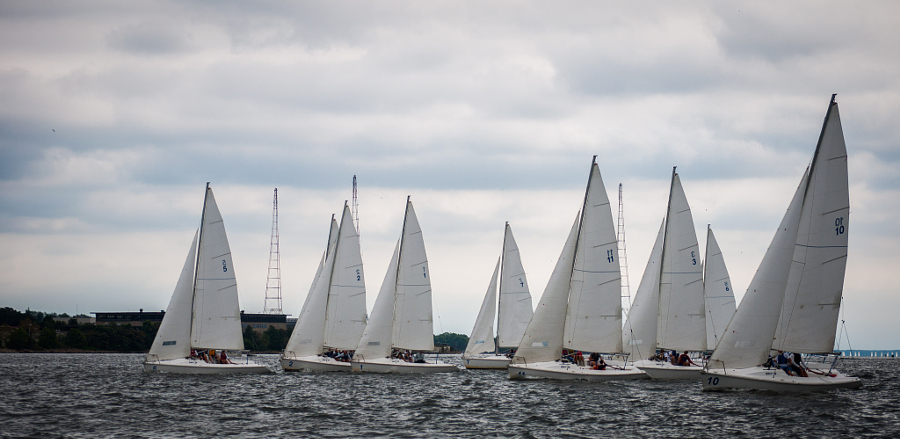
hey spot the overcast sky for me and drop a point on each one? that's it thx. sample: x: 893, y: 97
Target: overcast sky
x: 114, y: 115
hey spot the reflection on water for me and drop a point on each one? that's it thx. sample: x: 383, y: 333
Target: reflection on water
x: 109, y: 395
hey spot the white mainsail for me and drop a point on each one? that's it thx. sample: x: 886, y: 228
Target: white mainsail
x: 515, y: 298
x: 482, y: 338
x: 717, y: 291
x: 812, y: 298
x: 376, y: 339
x: 307, y: 337
x: 345, y: 316
x: 639, y: 333
x: 216, y: 322
x: 594, y: 315
x: 413, y: 325
x: 543, y: 339
x: 173, y: 339
x: 682, y: 322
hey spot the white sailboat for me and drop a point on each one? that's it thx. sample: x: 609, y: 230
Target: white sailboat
x: 513, y: 312
x: 581, y: 305
x: 402, y: 316
x: 793, y: 301
x: 681, y: 324
x: 203, y: 313
x: 334, y: 314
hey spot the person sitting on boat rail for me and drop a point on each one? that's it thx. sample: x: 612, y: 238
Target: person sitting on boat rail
x: 599, y: 364
x: 685, y: 360
x: 797, y: 365
x: 783, y: 362
x: 223, y: 359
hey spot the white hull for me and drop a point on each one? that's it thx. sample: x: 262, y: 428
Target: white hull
x: 314, y: 363
x: 774, y: 379
x: 199, y: 367
x: 661, y: 370
x: 392, y: 365
x: 486, y: 362
x: 567, y: 371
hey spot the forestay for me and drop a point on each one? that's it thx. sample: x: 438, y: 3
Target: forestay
x: 543, y: 339
x: 639, y: 334
x: 345, y: 316
x: 173, y: 339
x: 748, y: 337
x: 482, y: 338
x: 682, y: 324
x: 376, y: 339
x: 594, y: 316
x: 216, y: 313
x: 812, y: 299
x: 413, y: 326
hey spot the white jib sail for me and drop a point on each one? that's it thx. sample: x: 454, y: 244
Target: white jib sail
x: 639, y: 333
x: 717, y: 290
x: 413, y: 325
x: 543, y: 339
x: 301, y: 342
x: 594, y: 316
x: 482, y: 338
x: 748, y: 337
x: 515, y: 297
x: 682, y: 320
x: 376, y: 339
x: 812, y: 299
x: 173, y: 339
x: 217, y: 316
x: 345, y: 317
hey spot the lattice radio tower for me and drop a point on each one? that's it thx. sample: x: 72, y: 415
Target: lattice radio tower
x: 273, y: 280
x: 623, y: 257
x: 354, y: 208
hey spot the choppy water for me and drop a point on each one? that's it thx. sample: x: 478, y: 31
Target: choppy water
x: 109, y: 395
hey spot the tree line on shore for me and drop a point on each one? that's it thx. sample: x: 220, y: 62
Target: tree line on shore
x: 35, y: 331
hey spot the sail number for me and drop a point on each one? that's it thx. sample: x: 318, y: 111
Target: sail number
x: 693, y: 258
x: 727, y: 288
x: 609, y: 256
x: 224, y: 266
x: 839, y: 226
x: 713, y: 381
x: 424, y: 273
x: 357, y: 275
x: 521, y: 283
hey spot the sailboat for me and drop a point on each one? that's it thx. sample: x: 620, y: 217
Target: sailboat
x: 792, y: 302
x: 334, y: 314
x: 513, y: 312
x: 203, y: 313
x: 401, y: 317
x: 581, y: 306
x: 680, y: 298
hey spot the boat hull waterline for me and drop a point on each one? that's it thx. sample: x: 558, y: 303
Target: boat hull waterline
x: 197, y: 367
x: 314, y: 363
x: 774, y: 379
x: 486, y: 362
x: 391, y: 365
x: 568, y: 371
x: 660, y: 370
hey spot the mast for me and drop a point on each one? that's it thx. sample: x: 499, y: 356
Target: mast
x: 500, y: 286
x: 623, y: 256
x: 400, y: 254
x: 273, y: 278
x: 354, y: 208
x: 662, y: 256
x: 199, y: 241
x: 337, y: 243
x: 587, y: 191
